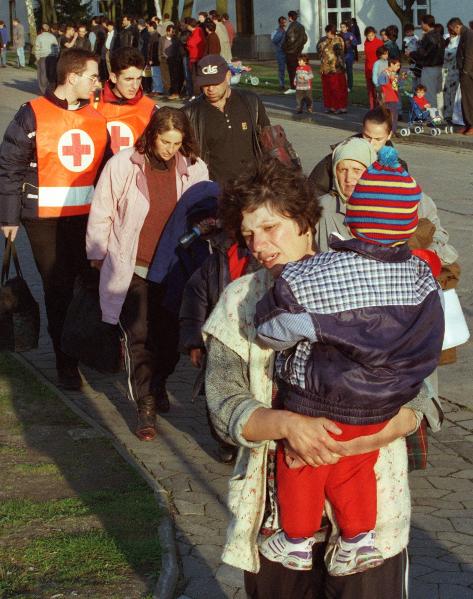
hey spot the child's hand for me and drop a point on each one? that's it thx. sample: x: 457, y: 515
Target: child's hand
x: 196, y: 356
x: 292, y: 459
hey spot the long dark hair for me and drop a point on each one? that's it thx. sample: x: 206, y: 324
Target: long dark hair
x: 163, y: 120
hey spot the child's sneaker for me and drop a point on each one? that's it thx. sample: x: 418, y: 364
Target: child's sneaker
x: 295, y: 554
x: 354, y: 555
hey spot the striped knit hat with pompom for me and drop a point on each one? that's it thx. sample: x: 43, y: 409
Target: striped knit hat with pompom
x: 383, y: 206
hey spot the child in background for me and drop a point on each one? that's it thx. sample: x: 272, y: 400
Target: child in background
x: 380, y: 65
x: 410, y: 40
x: 389, y: 89
x: 422, y: 102
x: 303, y: 83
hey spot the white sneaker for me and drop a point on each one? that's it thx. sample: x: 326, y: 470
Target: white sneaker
x: 354, y: 555
x: 289, y: 91
x: 295, y: 554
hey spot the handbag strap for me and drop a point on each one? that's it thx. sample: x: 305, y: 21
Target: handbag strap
x: 9, y: 253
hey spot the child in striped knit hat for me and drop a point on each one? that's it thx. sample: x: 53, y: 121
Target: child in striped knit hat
x: 357, y: 330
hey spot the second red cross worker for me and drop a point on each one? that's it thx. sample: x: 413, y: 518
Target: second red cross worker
x: 122, y: 101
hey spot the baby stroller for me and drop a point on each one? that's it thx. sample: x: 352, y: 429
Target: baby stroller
x: 419, y: 118
x: 237, y: 69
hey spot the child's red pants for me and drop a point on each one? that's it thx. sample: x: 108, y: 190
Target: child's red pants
x: 349, y: 485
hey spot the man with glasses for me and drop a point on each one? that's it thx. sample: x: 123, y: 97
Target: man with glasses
x: 122, y: 101
x: 49, y: 160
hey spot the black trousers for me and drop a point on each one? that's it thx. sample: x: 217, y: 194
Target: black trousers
x: 151, y: 335
x: 274, y: 581
x: 58, y: 246
x: 291, y: 63
x: 466, y: 85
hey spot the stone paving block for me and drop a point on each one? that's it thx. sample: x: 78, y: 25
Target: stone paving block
x: 463, y: 524
x: 460, y: 415
x: 460, y: 578
x: 420, y: 484
x: 456, y: 537
x: 438, y: 564
x: 444, y: 513
x: 454, y: 591
x: 422, y: 509
x: 187, y: 508
x: 183, y: 548
x: 195, y: 568
x: 218, y: 511
x: 416, y: 569
x: 230, y: 576
x: 431, y: 524
x: 430, y: 494
x: 210, y: 554
x: 206, y: 588
x: 191, y: 526
x: 423, y: 590
x: 453, y: 484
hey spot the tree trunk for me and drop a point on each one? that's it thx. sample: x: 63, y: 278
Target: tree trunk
x: 187, y: 8
x: 405, y: 15
x: 31, y: 26
x: 168, y: 6
x: 222, y: 6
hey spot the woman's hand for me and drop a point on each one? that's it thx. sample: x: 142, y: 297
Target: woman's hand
x: 308, y: 440
x: 403, y: 424
x: 96, y: 264
x: 196, y: 356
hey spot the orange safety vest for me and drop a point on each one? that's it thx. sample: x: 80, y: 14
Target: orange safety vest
x: 70, y: 145
x: 125, y: 122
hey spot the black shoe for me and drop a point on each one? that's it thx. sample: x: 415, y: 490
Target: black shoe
x: 227, y: 453
x: 69, y: 378
x: 162, y: 400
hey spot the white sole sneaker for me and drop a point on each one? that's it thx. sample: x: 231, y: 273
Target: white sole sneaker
x: 294, y: 556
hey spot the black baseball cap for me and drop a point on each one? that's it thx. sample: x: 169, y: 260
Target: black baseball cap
x: 211, y: 70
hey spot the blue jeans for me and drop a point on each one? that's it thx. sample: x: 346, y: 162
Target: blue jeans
x: 3, y: 57
x: 20, y: 52
x: 349, y: 67
x: 157, y: 80
x: 281, y: 58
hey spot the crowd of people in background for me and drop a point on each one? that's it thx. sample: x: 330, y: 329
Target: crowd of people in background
x: 437, y: 58
x: 170, y: 50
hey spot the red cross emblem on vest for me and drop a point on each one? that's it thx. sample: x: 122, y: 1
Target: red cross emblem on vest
x: 121, y: 135
x: 76, y: 150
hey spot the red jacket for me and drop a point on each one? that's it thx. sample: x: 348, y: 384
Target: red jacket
x: 196, y: 45
x: 370, y: 55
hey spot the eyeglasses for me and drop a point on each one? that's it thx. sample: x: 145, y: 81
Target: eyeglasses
x: 93, y: 78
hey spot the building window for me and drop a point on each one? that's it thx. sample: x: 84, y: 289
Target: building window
x: 420, y: 8
x: 338, y: 11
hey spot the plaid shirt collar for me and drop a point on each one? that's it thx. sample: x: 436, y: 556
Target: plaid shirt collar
x: 399, y: 253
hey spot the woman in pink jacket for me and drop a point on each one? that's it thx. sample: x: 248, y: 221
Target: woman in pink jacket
x: 136, y: 194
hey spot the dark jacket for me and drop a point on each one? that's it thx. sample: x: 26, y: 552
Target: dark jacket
x: 359, y: 329
x: 83, y: 43
x: 465, y: 52
x: 212, y: 44
x: 143, y: 43
x: 128, y: 37
x: 430, y: 51
x: 257, y: 114
x: 321, y: 176
x: 153, y: 49
x: 18, y: 165
x: 204, y: 289
x: 173, y: 265
x: 295, y: 39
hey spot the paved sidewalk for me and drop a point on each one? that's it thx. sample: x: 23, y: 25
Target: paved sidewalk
x: 182, y: 460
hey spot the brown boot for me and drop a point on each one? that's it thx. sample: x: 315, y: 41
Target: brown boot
x: 146, y: 429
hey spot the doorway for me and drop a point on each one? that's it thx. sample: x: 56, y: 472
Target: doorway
x: 244, y: 17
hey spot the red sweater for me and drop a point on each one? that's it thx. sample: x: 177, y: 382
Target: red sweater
x: 196, y: 45
x: 370, y: 55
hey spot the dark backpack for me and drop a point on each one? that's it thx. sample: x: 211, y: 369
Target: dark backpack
x: 19, y: 311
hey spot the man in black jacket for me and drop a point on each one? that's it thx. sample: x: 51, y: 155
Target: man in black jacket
x: 225, y: 121
x: 465, y: 68
x: 294, y: 42
x: 128, y: 34
x: 429, y: 56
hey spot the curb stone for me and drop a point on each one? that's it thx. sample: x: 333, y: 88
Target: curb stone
x: 167, y: 581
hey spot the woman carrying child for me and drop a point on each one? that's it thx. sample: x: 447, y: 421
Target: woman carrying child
x: 274, y: 212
